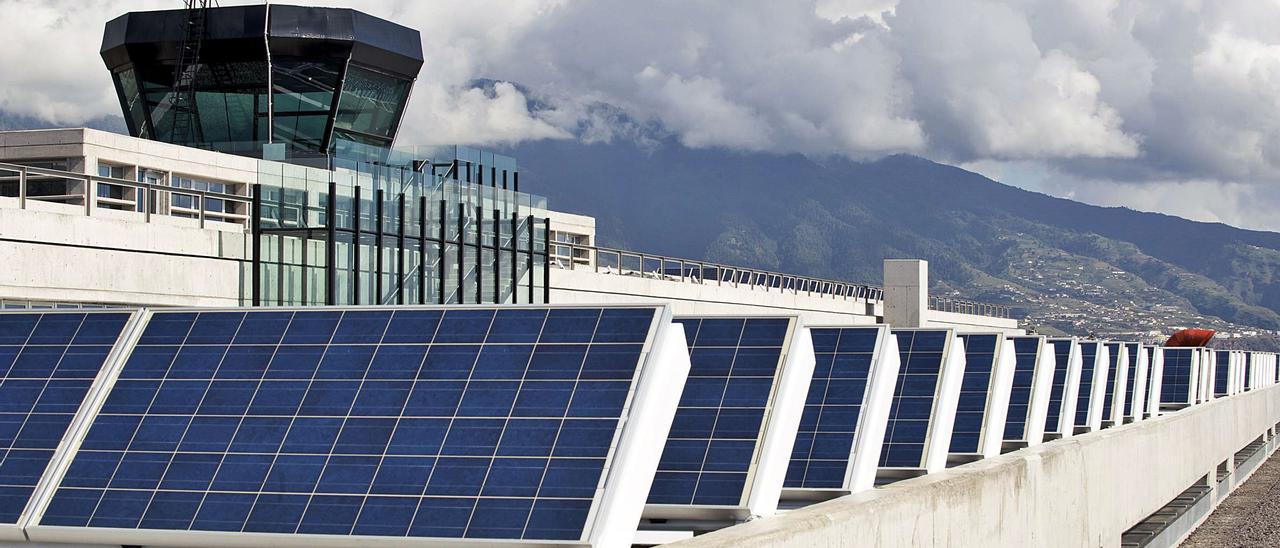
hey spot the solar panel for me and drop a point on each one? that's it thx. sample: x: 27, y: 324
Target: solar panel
x: 1029, y: 391
x: 1222, y: 372
x: 1093, y: 376
x: 1113, y: 401
x: 49, y: 364
x: 530, y: 423
x: 732, y: 437
x: 918, y: 433
x: 1180, y: 374
x: 984, y: 396
x: 1136, y: 381
x: 1064, y: 389
x: 842, y: 429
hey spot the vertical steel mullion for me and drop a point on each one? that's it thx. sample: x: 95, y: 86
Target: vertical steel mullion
x: 355, y: 259
x: 546, y: 261
x: 305, y: 240
x: 515, y: 257
x: 479, y: 254
x: 531, y: 246
x: 400, y: 254
x: 256, y: 231
x: 443, y: 242
x: 422, y: 249
x: 280, y: 272
x: 462, y: 253
x: 377, y: 250
x: 331, y: 247
x: 497, y: 256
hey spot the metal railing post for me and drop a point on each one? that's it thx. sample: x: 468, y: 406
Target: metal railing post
x: 22, y: 188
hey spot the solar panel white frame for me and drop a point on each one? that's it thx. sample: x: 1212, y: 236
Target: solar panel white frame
x: 873, y: 416
x: 1101, y: 368
x: 1233, y: 371
x: 942, y: 416
x: 1208, y: 369
x: 1070, y: 389
x: 15, y: 532
x: 1042, y: 382
x: 999, y: 386
x: 773, y: 454
x: 1134, y: 409
x: 1155, y: 378
x: 782, y: 423
x: 1121, y: 375
x: 611, y: 522
x: 1237, y: 372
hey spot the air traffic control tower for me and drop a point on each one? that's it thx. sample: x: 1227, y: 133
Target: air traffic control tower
x: 262, y: 80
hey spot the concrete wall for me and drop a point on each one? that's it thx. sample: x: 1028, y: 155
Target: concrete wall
x: 969, y: 322
x: 588, y: 286
x: 54, y: 252
x: 1082, y: 491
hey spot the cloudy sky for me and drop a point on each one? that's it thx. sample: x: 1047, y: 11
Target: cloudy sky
x: 1160, y: 105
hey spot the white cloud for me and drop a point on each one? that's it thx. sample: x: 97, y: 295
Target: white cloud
x: 1112, y: 94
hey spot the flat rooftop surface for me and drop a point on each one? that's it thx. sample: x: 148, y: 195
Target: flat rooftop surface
x: 1249, y: 517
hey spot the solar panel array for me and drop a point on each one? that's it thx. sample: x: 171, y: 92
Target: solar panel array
x: 736, y: 366
x: 981, y: 352
x: 923, y: 355
x: 470, y: 423
x: 48, y: 363
x: 510, y: 423
x: 834, y: 420
x: 1027, y: 358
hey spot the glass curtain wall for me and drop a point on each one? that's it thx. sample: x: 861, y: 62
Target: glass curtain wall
x: 386, y: 233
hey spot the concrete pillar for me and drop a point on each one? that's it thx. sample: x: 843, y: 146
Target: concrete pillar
x: 906, y: 292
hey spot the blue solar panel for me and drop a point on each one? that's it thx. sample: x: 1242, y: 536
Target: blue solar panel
x: 833, y: 407
x: 1175, y: 387
x: 1088, y: 357
x: 1130, y: 404
x: 1114, y: 353
x: 1026, y: 357
x: 922, y: 354
x: 1059, y: 390
x: 734, y: 367
x: 48, y: 362
x: 971, y: 412
x: 1222, y: 374
x: 464, y: 423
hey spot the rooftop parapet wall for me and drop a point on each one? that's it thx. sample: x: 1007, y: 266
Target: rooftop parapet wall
x: 1082, y: 491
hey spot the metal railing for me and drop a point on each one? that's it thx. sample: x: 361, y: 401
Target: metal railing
x: 88, y: 192
x: 570, y: 256
x: 944, y: 304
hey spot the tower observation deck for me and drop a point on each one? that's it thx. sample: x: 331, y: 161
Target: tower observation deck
x: 262, y: 80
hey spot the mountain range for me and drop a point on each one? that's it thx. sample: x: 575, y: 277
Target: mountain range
x: 1068, y: 267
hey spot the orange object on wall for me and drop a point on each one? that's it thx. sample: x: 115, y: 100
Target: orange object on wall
x: 1191, y: 337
